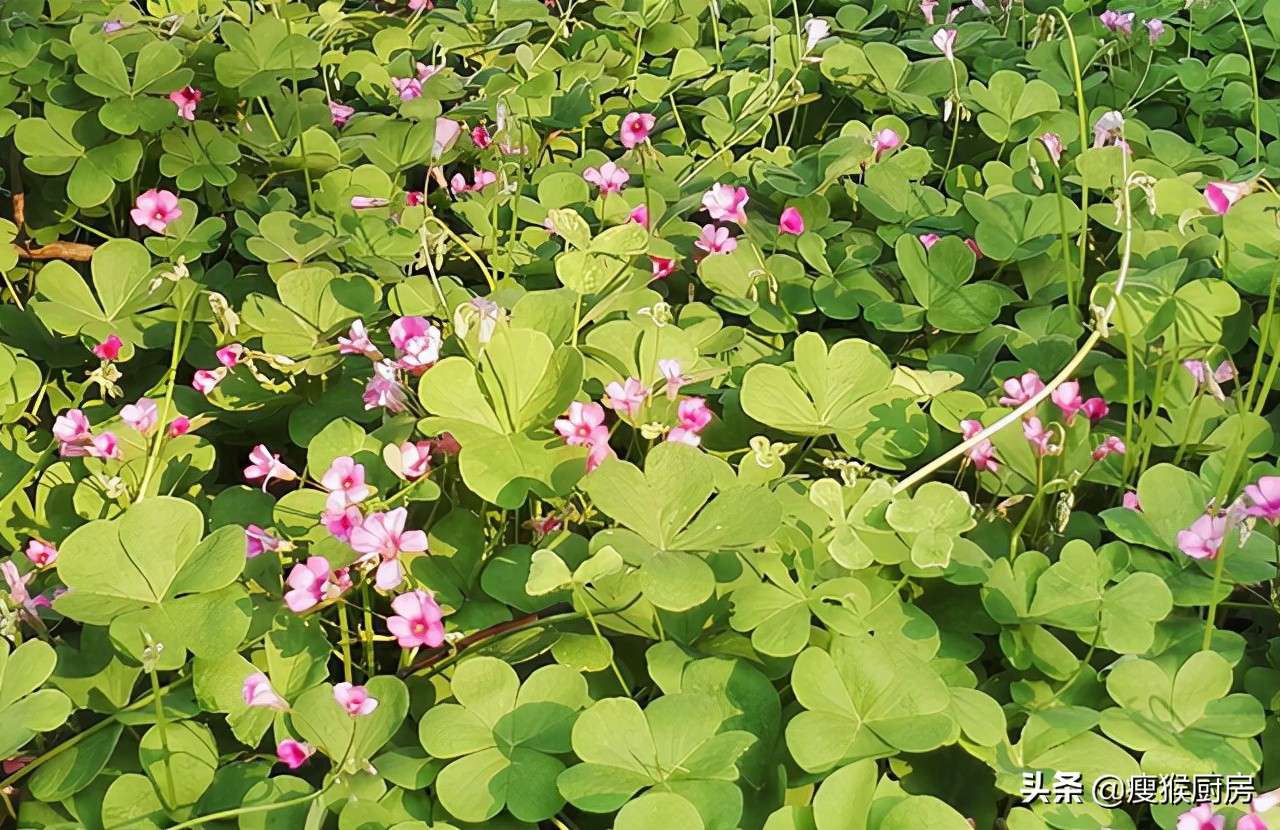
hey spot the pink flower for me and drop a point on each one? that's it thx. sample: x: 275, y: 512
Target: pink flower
x: 1222, y: 195
x: 345, y: 480
x: 1130, y: 501
x: 105, y: 446
x: 1201, y: 818
x: 72, y: 427
x: 413, y: 198
x: 384, y: 388
x: 1039, y: 436
x: 597, y: 452
x: 41, y: 553
x: 1095, y: 409
x: 19, y: 595
x: 627, y: 397
x: 1203, y: 539
x: 340, y: 113
x: 584, y: 424
x: 945, y: 40
x: 186, y: 99
x: 109, y: 349
x: 265, y: 466
x: 716, y: 240
x: 258, y: 541
x: 382, y: 536
x: 357, y: 342
x: 141, y: 416
x: 418, y: 343
x: 1265, y: 497
x: 1053, y: 143
x: 982, y: 454
x: 973, y: 246
x: 1020, y: 390
x: 1117, y: 22
x: 726, y: 203
x: 340, y: 520
x: 307, y: 583
x: 417, y: 621
x: 791, y: 222
x: 694, y: 417
x: 635, y: 128
x: 926, y: 8
x: 609, y: 177
x: 480, y: 137
x: 885, y: 141
x: 205, y: 380
x: 415, y: 460
x: 257, y: 692
x: 1251, y: 821
x: 425, y: 71
x: 110, y: 27
x: 12, y: 765
x: 675, y: 377
x: 1108, y: 126
x: 407, y: 88
x: 928, y: 240
x: 482, y: 178
x: 155, y: 209
x: 293, y: 754
x: 1112, y: 445
x: 447, y: 132
x: 662, y: 267
x: 178, y: 426
x: 1067, y: 398
x: 1155, y: 30
x: 1213, y: 382
x: 355, y: 699
x: 368, y: 202
x: 954, y: 13
x: 230, y: 355
x: 640, y: 215
x: 1260, y: 804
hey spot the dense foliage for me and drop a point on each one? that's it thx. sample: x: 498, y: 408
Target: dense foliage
x: 637, y: 414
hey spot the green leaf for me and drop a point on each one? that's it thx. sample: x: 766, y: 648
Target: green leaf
x: 180, y: 759
x: 938, y: 276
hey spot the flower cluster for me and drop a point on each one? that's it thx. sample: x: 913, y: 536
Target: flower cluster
x: 583, y: 425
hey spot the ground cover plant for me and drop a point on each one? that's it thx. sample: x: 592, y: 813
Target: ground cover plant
x: 639, y: 414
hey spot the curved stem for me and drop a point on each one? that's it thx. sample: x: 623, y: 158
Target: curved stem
x: 179, y: 346
x: 1067, y: 371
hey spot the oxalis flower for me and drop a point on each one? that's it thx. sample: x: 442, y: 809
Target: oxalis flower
x: 1203, y: 540
x: 355, y: 699
x: 417, y: 621
x: 1155, y: 30
x: 726, y: 203
x: 311, y: 583
x: 1220, y: 196
x: 186, y: 99
x: 791, y: 222
x: 584, y: 424
x: 1264, y: 498
x: 1053, y: 144
x: 636, y: 127
x: 41, y: 553
x: 884, y: 141
x: 609, y: 177
x: 1201, y: 817
x: 294, y: 754
x: 627, y: 397
x: 265, y: 466
x: 1018, y: 391
x: 345, y: 481
x: 982, y: 454
x: 1117, y: 21
x: 1040, y: 437
x: 381, y: 537
x: 257, y: 692
x: 155, y: 209
x: 716, y: 240
x: 418, y: 343
x: 945, y: 40
x: 694, y: 417
x: 815, y: 29
x: 141, y: 416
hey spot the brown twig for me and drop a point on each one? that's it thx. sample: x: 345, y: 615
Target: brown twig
x: 466, y: 642
x: 66, y: 251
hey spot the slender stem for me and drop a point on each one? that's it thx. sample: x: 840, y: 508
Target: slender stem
x: 163, y: 723
x: 345, y: 626
x: 1034, y: 401
x: 1081, y: 113
x: 153, y: 454
x: 1253, y: 76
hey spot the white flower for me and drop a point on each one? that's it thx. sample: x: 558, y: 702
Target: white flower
x: 816, y: 29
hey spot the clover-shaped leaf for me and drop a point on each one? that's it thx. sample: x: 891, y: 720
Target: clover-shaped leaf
x: 676, y: 745
x: 845, y: 390
x: 263, y: 55
x: 26, y: 710
x: 151, y: 576
x: 939, y: 277
x: 864, y: 699
x: 505, y: 737
x: 118, y: 303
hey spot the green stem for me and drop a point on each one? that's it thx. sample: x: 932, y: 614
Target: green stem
x: 1084, y: 134
x: 179, y: 346
x: 1253, y: 76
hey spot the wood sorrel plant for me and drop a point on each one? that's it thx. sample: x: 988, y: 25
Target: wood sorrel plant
x: 719, y: 416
